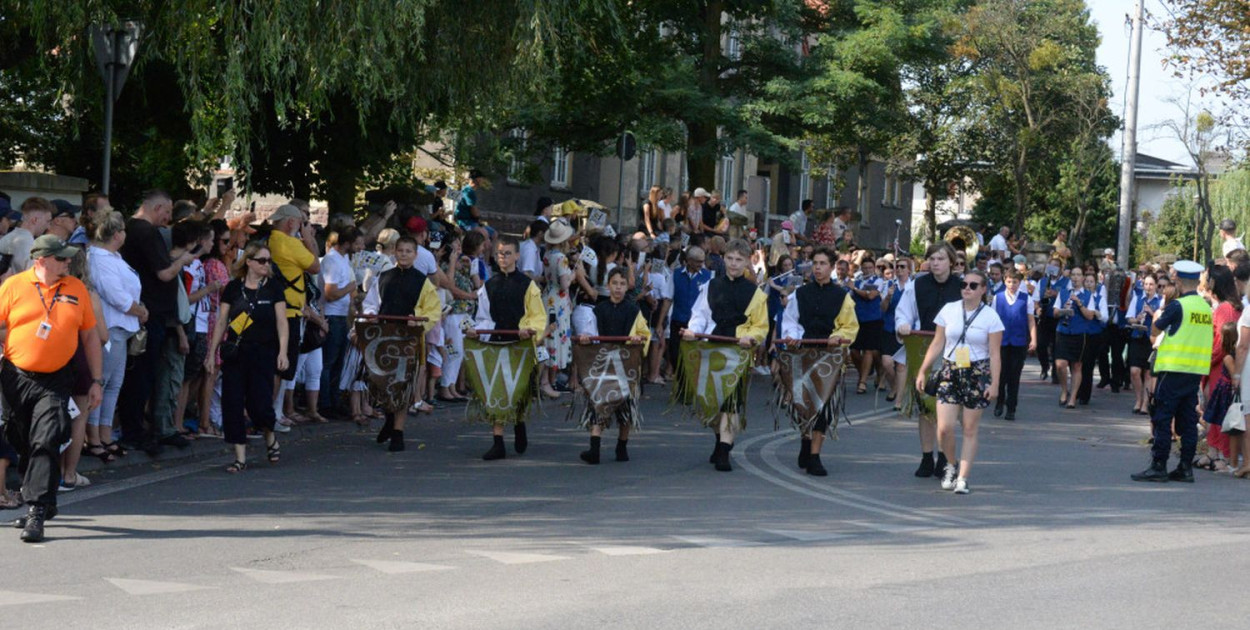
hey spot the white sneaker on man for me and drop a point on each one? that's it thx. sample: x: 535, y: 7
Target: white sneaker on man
x: 948, y: 477
x: 961, y: 486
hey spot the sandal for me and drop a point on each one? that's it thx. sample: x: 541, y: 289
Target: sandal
x: 9, y: 499
x: 1205, y: 463
x: 236, y: 468
x: 98, y: 451
x: 114, y: 449
x: 890, y: 397
x: 315, y: 418
x: 273, y: 451
x: 861, y: 389
x: 361, y: 420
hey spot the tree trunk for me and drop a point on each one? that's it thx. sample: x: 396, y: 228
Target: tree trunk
x: 862, y: 199
x: 701, y: 140
x: 1021, y: 194
x: 930, y: 211
x: 701, y: 156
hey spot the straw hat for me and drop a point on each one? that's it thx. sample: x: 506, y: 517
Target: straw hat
x: 559, y: 232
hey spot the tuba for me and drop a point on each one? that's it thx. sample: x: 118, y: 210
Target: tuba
x: 963, y: 239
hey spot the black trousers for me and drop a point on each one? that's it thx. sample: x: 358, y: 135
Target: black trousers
x: 247, y: 385
x: 1117, y: 341
x: 1176, y: 403
x: 1009, y: 384
x: 1097, y: 352
x: 674, y: 340
x: 1046, y: 342
x: 37, y: 423
x: 142, y: 373
x: 295, y: 327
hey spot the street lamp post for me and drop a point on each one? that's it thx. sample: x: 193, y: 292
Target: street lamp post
x: 115, y: 48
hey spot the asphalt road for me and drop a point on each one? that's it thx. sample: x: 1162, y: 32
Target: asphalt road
x: 342, y: 533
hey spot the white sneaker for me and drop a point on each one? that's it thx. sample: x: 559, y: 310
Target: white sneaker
x: 281, y: 428
x: 948, y: 477
x: 961, y: 486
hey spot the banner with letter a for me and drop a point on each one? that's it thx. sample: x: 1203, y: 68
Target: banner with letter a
x: 389, y: 363
x: 502, y: 379
x: 608, y: 375
x: 808, y: 382
x: 712, y: 378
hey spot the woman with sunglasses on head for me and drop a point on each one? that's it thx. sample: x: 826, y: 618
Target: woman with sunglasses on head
x: 251, y: 332
x: 969, y: 337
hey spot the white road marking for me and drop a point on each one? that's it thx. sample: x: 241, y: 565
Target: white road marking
x: 716, y: 541
x: 628, y: 551
x: 807, y: 536
x: 148, y: 587
x: 891, y: 528
x: 14, y: 598
x: 396, y: 567
x: 514, y: 557
x: 281, y: 577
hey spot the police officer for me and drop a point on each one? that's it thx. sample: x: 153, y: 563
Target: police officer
x: 1183, y: 358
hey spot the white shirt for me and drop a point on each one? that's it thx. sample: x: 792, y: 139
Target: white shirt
x: 337, y: 270
x: 199, y: 309
x: 998, y: 243
x: 530, y: 262
x: 740, y: 209
x: 1230, y: 245
x: 666, y: 208
x: 17, y: 243
x: 839, y: 226
x: 117, y: 284
x: 425, y: 262
x: 952, y: 316
x: 798, y: 220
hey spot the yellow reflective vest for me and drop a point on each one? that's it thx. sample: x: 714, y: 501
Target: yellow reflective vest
x: 1188, y: 350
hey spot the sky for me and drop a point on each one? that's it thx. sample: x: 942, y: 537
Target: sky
x: 1157, y: 82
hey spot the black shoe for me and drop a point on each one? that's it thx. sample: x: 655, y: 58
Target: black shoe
x: 522, y: 440
x: 622, y: 452
x: 1115, y: 389
x: 1045, y: 375
x: 176, y: 440
x: 591, y: 455
x: 1183, y: 473
x: 1158, y: 472
x: 998, y: 411
x: 805, y: 453
x: 711, y: 459
x: 722, y: 457
x: 497, y: 450
x: 49, y: 513
x: 939, y: 468
x: 388, y: 427
x: 926, y: 466
x: 1054, y: 378
x: 32, y: 529
x: 1011, y: 415
x: 814, y: 467
x: 1102, y: 384
x: 152, y: 448
x: 397, y: 442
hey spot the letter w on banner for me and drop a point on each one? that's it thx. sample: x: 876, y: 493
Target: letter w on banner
x: 808, y: 381
x: 390, y: 352
x: 712, y: 378
x: 501, y: 377
x: 609, y: 376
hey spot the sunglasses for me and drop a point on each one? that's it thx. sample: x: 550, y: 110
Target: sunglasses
x: 901, y: 267
x: 970, y: 285
x: 263, y: 261
x: 61, y: 258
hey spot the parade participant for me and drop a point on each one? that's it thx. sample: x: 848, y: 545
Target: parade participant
x: 615, y: 317
x: 730, y: 305
x: 819, y: 310
x: 403, y: 291
x: 1071, y: 342
x: 251, y: 331
x: 920, y: 303
x: 969, y: 377
x: 890, y: 342
x: 1044, y: 295
x: 1014, y: 306
x: 1096, y: 334
x: 1141, y: 312
x: 688, y: 283
x: 47, y: 314
x: 1183, y: 358
x: 866, y: 293
x: 509, y: 301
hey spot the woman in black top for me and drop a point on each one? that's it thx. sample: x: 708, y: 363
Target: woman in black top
x: 252, y: 333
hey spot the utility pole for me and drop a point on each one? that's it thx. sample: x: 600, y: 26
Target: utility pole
x: 1129, y: 154
x: 115, y: 48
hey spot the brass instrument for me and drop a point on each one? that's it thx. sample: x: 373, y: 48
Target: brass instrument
x: 964, y: 239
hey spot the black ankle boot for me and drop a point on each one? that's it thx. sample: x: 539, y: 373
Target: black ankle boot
x: 1158, y: 472
x: 814, y: 467
x: 497, y: 451
x: 522, y: 441
x: 722, y: 457
x: 926, y: 465
x: 805, y: 452
x: 1184, y: 472
x: 387, y: 427
x: 712, y: 458
x: 940, y: 467
x: 397, y: 442
x: 622, y: 452
x: 591, y: 456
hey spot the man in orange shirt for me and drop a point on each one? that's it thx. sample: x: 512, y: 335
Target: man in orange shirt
x: 45, y: 314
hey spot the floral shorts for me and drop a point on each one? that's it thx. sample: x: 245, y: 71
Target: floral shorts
x: 964, y: 386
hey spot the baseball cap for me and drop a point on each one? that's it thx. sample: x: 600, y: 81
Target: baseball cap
x: 7, y: 211
x: 51, y: 245
x: 1108, y: 252
x: 1228, y: 225
x: 701, y: 192
x: 416, y: 225
x: 65, y: 209
x: 286, y: 211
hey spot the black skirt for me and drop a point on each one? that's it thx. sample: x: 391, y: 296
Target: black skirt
x: 869, y: 337
x: 889, y: 342
x: 1139, y: 353
x: 1072, y: 348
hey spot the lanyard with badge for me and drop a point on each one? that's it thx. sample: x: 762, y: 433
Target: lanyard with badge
x: 45, y: 327
x: 963, y: 354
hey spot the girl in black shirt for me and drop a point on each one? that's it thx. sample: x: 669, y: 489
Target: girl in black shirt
x: 252, y: 332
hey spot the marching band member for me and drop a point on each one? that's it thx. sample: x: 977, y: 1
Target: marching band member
x: 1141, y: 312
x: 1014, y: 306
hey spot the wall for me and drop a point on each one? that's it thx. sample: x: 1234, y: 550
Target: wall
x: 21, y: 185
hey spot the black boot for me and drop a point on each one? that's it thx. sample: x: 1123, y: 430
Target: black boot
x: 1157, y: 472
x: 940, y: 467
x: 497, y: 451
x: 1011, y: 415
x: 805, y: 453
x: 712, y: 458
x: 32, y: 529
x: 814, y: 467
x: 49, y: 513
x: 522, y: 441
x: 722, y: 457
x: 1183, y: 473
x: 591, y: 456
x: 622, y: 453
x: 998, y: 410
x: 387, y: 427
x: 397, y: 442
x: 926, y: 465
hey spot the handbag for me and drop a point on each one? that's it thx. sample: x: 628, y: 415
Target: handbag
x: 229, y: 348
x: 138, y: 343
x: 1235, y: 418
x: 312, y: 338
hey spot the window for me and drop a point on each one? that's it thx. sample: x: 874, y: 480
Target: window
x: 831, y: 188
x: 727, y: 176
x: 646, y: 170
x: 733, y: 45
x: 559, y: 168
x: 516, y: 164
x: 892, y: 195
x: 805, y: 177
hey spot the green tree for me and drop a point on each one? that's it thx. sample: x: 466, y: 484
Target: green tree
x: 1211, y: 38
x: 1172, y: 231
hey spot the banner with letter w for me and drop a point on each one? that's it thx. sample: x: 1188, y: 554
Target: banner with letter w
x: 712, y: 378
x: 502, y: 378
x: 389, y: 364
x: 608, y: 374
x: 808, y: 381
